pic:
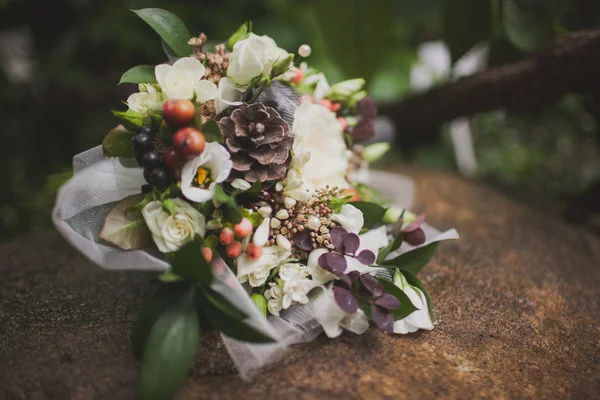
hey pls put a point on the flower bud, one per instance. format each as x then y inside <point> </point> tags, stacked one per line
<point>243,229</point>
<point>375,151</point>
<point>282,65</point>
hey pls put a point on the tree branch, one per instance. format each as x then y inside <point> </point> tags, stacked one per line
<point>570,64</point>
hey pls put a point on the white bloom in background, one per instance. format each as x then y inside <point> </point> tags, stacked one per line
<point>148,99</point>
<point>350,218</point>
<point>252,57</point>
<point>321,85</point>
<point>200,175</point>
<point>178,81</point>
<point>170,232</point>
<point>256,271</point>
<point>274,296</point>
<point>419,319</point>
<point>320,135</point>
<point>294,185</point>
<point>333,319</point>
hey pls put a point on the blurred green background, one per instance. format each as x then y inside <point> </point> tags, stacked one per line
<point>60,62</point>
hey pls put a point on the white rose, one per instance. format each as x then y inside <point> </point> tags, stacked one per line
<point>252,57</point>
<point>200,175</point>
<point>320,135</point>
<point>148,99</point>
<point>419,319</point>
<point>178,81</point>
<point>170,232</point>
<point>332,318</point>
<point>256,271</point>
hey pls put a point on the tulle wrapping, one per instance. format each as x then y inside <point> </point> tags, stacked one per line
<point>83,202</point>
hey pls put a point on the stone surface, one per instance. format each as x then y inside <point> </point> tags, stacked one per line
<point>517,300</point>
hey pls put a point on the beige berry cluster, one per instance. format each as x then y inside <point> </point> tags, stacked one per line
<point>357,160</point>
<point>216,62</point>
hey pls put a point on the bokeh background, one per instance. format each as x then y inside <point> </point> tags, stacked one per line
<point>60,62</point>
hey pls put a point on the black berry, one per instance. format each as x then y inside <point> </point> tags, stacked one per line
<point>147,172</point>
<point>160,178</point>
<point>151,159</point>
<point>142,143</point>
<point>148,130</point>
<point>146,189</point>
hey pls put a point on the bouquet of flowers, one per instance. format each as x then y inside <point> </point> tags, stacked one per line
<point>240,176</point>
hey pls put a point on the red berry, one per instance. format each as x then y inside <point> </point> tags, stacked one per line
<point>298,76</point>
<point>177,112</point>
<point>354,193</point>
<point>326,103</point>
<point>234,249</point>
<point>343,123</point>
<point>189,142</point>
<point>335,107</point>
<point>243,229</point>
<point>172,159</point>
<point>226,236</point>
<point>207,253</point>
<point>254,251</point>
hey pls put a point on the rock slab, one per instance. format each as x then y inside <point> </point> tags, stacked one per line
<point>517,301</point>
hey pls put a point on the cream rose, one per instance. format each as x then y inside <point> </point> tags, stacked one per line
<point>252,57</point>
<point>171,231</point>
<point>320,134</point>
<point>148,99</point>
<point>179,81</point>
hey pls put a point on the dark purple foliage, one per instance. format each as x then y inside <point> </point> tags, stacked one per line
<point>337,236</point>
<point>366,257</point>
<point>333,262</point>
<point>373,286</point>
<point>345,300</point>
<point>364,130</point>
<point>351,243</point>
<point>367,108</point>
<point>382,318</point>
<point>302,240</point>
<point>345,244</point>
<point>411,233</point>
<point>388,301</point>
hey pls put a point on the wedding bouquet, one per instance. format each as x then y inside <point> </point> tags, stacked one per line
<point>240,176</point>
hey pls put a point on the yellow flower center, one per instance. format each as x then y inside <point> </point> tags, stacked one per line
<point>203,177</point>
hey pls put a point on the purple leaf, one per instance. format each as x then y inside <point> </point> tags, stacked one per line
<point>415,224</point>
<point>388,301</point>
<point>351,243</point>
<point>336,262</point>
<point>346,281</point>
<point>382,318</point>
<point>372,285</point>
<point>414,238</point>
<point>323,262</point>
<point>337,235</point>
<point>345,300</point>
<point>354,275</point>
<point>302,240</point>
<point>366,257</point>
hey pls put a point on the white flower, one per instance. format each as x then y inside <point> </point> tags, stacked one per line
<point>350,218</point>
<point>170,232</point>
<point>274,296</point>
<point>226,95</point>
<point>321,85</point>
<point>178,81</point>
<point>296,284</point>
<point>294,185</point>
<point>148,99</point>
<point>320,135</point>
<point>252,57</point>
<point>212,166</point>
<point>256,271</point>
<point>419,319</point>
<point>205,90</point>
<point>332,318</point>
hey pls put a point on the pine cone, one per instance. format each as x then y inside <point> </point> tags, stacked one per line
<point>259,141</point>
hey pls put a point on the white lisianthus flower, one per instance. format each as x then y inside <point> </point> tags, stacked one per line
<point>170,232</point>
<point>227,94</point>
<point>333,319</point>
<point>321,136</point>
<point>200,175</point>
<point>252,57</point>
<point>148,99</point>
<point>274,296</point>
<point>205,90</point>
<point>350,218</point>
<point>419,319</point>
<point>256,271</point>
<point>296,285</point>
<point>178,81</point>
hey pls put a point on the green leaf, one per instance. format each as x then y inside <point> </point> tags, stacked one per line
<point>406,306</point>
<point>337,202</point>
<point>168,277</point>
<point>164,297</point>
<point>391,247</point>
<point>211,131</point>
<point>125,229</point>
<point>229,325</point>
<point>132,120</point>
<point>529,24</point>
<point>139,74</point>
<point>118,143</point>
<point>415,260</point>
<point>169,205</point>
<point>416,282</point>
<point>169,27</point>
<point>466,23</point>
<point>261,303</point>
<point>231,211</point>
<point>169,351</point>
<point>372,212</point>
<point>188,263</point>
<point>357,52</point>
<point>240,34</point>
<point>223,305</point>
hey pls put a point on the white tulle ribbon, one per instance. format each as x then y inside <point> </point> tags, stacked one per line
<point>83,202</point>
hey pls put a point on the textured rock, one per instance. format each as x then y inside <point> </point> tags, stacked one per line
<point>517,301</point>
